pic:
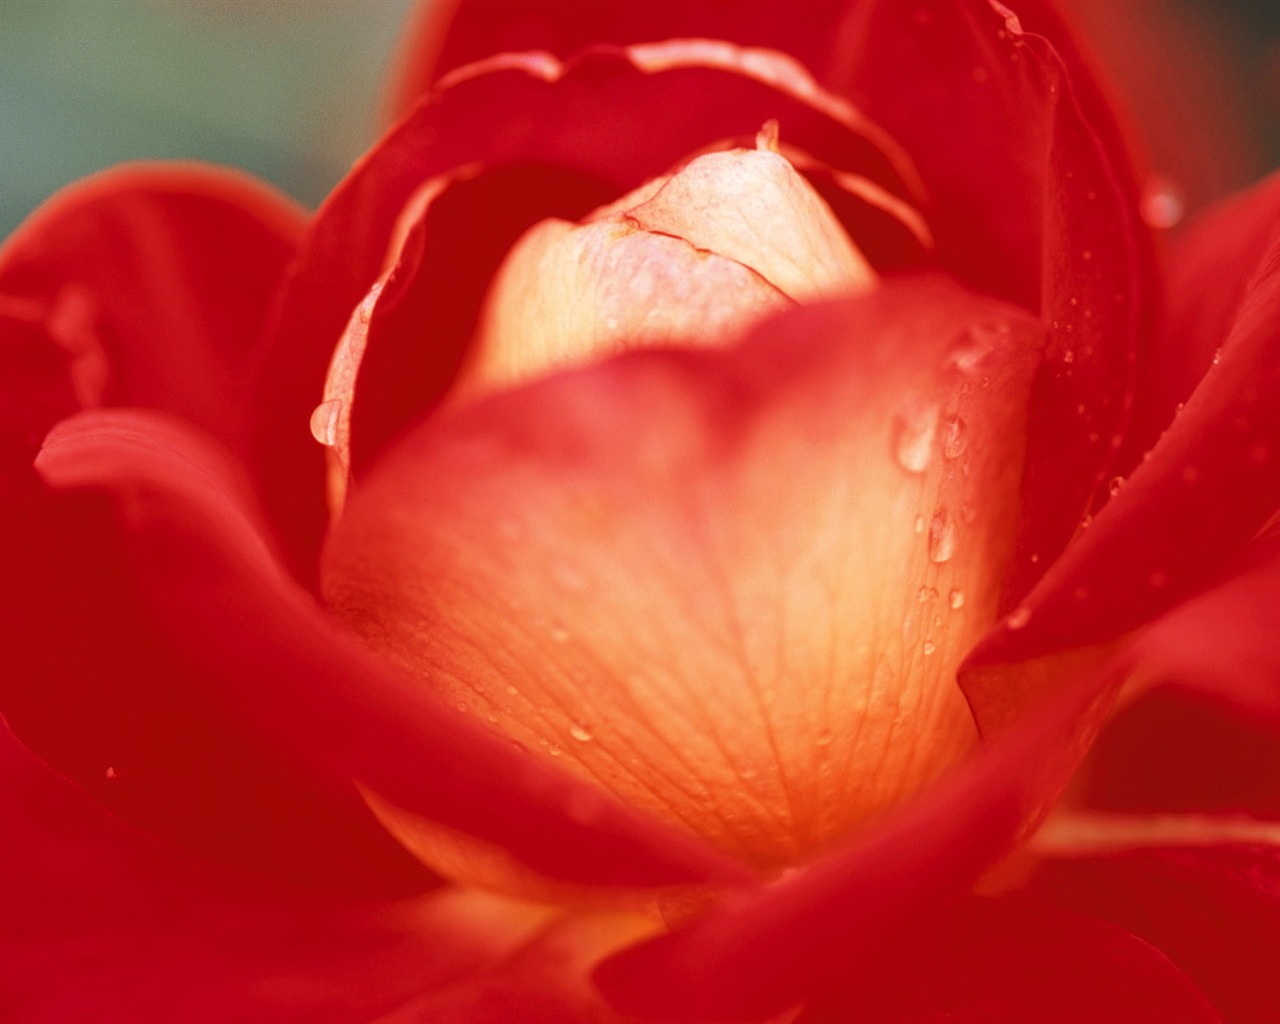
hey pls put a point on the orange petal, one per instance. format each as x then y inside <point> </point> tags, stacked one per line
<point>694,257</point>
<point>730,587</point>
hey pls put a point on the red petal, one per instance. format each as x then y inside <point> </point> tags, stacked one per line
<point>1208,486</point>
<point>152,282</point>
<point>444,37</point>
<point>99,925</point>
<point>1034,200</point>
<point>1013,960</point>
<point>1212,270</point>
<point>1209,743</point>
<point>824,928</point>
<point>592,119</point>
<point>150,555</point>
<point>1214,911</point>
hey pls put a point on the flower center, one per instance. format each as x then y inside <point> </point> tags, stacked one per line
<point>731,587</point>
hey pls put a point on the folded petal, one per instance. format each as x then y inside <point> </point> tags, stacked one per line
<point>1204,490</point>
<point>150,284</point>
<point>1213,909</point>
<point>98,924</point>
<point>208,697</point>
<point>1204,737</point>
<point>590,120</point>
<point>1016,959</point>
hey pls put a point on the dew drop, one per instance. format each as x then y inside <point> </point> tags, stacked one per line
<point>112,773</point>
<point>942,536</point>
<point>555,750</point>
<point>461,706</point>
<point>956,599</point>
<point>920,524</point>
<point>1162,206</point>
<point>324,422</point>
<point>926,594</point>
<point>1018,618</point>
<point>956,438</point>
<point>580,732</point>
<point>1113,488</point>
<point>913,433</point>
<point>928,647</point>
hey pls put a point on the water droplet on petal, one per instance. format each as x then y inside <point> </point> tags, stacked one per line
<point>555,750</point>
<point>1018,618</point>
<point>1162,206</point>
<point>1114,486</point>
<point>926,594</point>
<point>928,647</point>
<point>920,524</point>
<point>580,732</point>
<point>956,438</point>
<point>324,422</point>
<point>956,599</point>
<point>942,536</point>
<point>112,773</point>
<point>913,433</point>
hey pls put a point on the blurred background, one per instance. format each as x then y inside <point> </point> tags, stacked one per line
<point>290,89</point>
<point>286,89</point>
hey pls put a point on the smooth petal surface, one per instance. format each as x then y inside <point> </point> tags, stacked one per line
<point>210,697</point>
<point>1214,910</point>
<point>100,925</point>
<point>689,259</point>
<point>1204,738</point>
<point>1013,960</point>
<point>1205,489</point>
<point>731,588</point>
<point>151,284</point>
<point>591,120</point>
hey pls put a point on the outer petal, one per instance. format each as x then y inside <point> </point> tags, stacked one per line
<point>1013,960</point>
<point>98,925</point>
<point>150,284</point>
<point>1215,911</point>
<point>1207,487</point>
<point>1206,738</point>
<point>203,677</point>
<point>591,120</point>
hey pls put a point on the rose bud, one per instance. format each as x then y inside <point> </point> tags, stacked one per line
<point>748,626</point>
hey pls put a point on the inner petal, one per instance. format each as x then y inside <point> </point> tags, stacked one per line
<point>731,587</point>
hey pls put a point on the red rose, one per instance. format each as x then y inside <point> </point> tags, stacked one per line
<point>738,567</point>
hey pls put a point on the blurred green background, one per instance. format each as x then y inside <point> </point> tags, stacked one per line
<point>286,89</point>
<point>290,89</point>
